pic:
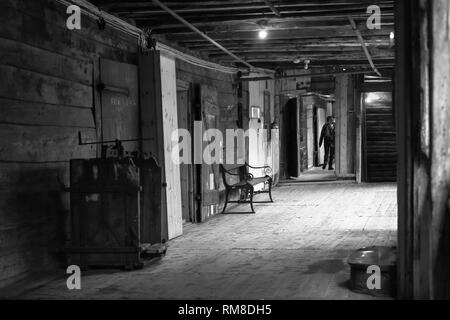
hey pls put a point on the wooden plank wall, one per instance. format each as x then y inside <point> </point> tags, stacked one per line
<point>47,95</point>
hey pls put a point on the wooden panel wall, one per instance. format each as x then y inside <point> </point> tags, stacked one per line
<point>47,94</point>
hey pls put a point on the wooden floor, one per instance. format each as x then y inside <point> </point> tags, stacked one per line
<point>316,174</point>
<point>295,248</point>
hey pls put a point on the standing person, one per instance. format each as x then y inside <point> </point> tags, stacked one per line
<point>327,136</point>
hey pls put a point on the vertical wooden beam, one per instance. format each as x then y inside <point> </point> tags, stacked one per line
<point>403,103</point>
<point>345,129</point>
<point>438,115</point>
<point>359,121</point>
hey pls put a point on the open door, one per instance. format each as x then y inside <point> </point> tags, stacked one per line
<point>186,169</point>
<point>209,175</point>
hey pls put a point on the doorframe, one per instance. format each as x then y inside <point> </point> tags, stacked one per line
<point>183,85</point>
<point>285,127</point>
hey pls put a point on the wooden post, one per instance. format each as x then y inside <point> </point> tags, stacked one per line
<point>344,111</point>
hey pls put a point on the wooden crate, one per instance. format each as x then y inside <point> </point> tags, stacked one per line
<point>105,213</point>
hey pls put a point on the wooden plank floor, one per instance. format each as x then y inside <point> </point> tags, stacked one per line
<point>295,248</point>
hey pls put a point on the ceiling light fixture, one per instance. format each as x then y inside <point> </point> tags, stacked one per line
<point>262,34</point>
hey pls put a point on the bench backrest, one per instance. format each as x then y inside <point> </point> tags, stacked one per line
<point>238,172</point>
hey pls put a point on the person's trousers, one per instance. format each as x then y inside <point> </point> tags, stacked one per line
<point>329,154</point>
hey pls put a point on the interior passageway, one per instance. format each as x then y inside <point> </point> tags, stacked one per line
<point>295,248</point>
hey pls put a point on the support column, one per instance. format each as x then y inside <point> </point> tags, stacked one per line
<point>344,111</point>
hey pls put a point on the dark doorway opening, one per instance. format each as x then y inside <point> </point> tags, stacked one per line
<point>292,143</point>
<point>187,174</point>
<point>316,137</point>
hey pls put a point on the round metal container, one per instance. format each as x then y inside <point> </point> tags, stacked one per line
<point>383,257</point>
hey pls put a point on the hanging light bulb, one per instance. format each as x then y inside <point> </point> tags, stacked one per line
<point>391,39</point>
<point>262,34</point>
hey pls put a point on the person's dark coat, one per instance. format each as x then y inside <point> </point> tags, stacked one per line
<point>327,134</point>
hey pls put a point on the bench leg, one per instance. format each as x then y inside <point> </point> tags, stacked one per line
<point>251,199</point>
<point>226,201</point>
<point>270,190</point>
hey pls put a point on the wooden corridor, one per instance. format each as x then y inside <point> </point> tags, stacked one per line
<point>295,248</point>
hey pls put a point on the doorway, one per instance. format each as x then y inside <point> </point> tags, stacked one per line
<point>186,121</point>
<point>291,133</point>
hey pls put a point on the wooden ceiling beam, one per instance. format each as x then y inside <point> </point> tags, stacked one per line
<point>115,4</point>
<point>294,48</point>
<point>302,52</point>
<point>261,57</point>
<point>272,23</point>
<point>285,34</point>
<point>382,62</point>
<point>303,43</point>
<point>253,17</point>
<point>253,27</point>
<point>191,10</point>
<point>234,22</point>
<point>188,12</point>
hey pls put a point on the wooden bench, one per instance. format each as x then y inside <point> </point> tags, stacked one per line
<point>245,181</point>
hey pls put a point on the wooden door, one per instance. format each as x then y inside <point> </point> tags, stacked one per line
<point>186,169</point>
<point>170,124</point>
<point>210,176</point>
<point>119,102</point>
